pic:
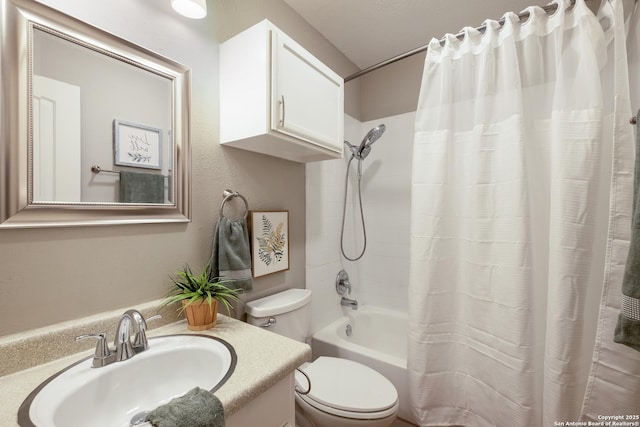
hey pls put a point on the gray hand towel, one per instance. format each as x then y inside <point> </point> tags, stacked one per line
<point>231,254</point>
<point>628,327</point>
<point>197,408</point>
<point>136,187</point>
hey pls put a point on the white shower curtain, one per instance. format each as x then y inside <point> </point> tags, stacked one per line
<point>510,212</point>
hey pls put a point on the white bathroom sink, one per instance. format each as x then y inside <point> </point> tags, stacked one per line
<point>113,395</point>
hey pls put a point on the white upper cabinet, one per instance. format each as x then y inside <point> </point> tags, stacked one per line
<point>278,99</point>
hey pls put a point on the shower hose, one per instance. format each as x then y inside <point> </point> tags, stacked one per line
<point>344,210</point>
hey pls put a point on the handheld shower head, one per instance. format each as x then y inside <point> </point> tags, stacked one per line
<point>363,150</point>
<point>358,153</point>
<point>372,136</point>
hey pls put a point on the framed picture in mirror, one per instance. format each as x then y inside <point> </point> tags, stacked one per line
<point>137,145</point>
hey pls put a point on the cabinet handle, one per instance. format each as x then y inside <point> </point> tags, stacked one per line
<point>283,111</point>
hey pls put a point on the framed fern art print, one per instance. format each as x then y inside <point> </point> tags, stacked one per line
<point>269,242</point>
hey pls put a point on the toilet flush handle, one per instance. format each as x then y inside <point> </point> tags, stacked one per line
<point>270,322</point>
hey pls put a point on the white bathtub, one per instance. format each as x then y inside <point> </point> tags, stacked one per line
<point>378,340</point>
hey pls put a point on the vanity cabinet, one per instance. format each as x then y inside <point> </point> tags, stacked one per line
<point>274,407</point>
<point>278,99</point>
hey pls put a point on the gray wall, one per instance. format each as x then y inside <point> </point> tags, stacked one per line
<point>59,274</point>
<point>394,89</point>
<point>390,90</point>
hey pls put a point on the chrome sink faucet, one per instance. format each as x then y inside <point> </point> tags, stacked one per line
<point>124,349</point>
<point>122,341</point>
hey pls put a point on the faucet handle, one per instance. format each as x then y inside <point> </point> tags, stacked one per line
<point>148,319</point>
<point>140,342</point>
<point>102,348</point>
<point>102,355</point>
<point>342,283</point>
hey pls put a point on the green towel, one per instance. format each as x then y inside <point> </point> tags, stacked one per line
<point>231,253</point>
<point>197,408</point>
<point>628,327</point>
<point>136,187</point>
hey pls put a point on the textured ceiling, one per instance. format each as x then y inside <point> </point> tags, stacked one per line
<point>370,31</point>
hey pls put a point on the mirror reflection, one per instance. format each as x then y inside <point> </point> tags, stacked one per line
<point>101,126</point>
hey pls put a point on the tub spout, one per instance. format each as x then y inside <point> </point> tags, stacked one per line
<point>349,303</point>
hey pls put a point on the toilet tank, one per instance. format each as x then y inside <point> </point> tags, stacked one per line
<point>286,313</point>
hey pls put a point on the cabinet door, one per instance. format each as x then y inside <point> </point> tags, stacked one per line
<point>275,407</point>
<point>307,97</point>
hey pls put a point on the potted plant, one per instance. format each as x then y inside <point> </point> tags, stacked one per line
<point>200,296</point>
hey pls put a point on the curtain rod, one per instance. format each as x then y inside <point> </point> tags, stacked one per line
<point>523,16</point>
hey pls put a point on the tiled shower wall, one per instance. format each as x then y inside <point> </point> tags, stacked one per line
<point>380,277</point>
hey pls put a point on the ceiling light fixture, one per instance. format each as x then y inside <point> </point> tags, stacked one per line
<point>195,9</point>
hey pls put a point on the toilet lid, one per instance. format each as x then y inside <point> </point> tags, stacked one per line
<point>348,386</point>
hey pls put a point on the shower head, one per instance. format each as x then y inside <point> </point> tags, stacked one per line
<point>364,148</point>
<point>372,136</point>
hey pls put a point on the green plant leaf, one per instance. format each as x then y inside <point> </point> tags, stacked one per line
<point>191,287</point>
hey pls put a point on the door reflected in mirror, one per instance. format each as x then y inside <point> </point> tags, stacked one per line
<point>92,109</point>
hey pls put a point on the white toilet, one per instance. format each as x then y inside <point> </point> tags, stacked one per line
<point>343,393</point>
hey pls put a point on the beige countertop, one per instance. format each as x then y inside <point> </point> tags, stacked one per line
<point>264,358</point>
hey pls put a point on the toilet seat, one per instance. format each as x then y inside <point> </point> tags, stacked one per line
<point>347,389</point>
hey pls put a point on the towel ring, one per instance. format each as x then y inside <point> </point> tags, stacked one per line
<point>228,195</point>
